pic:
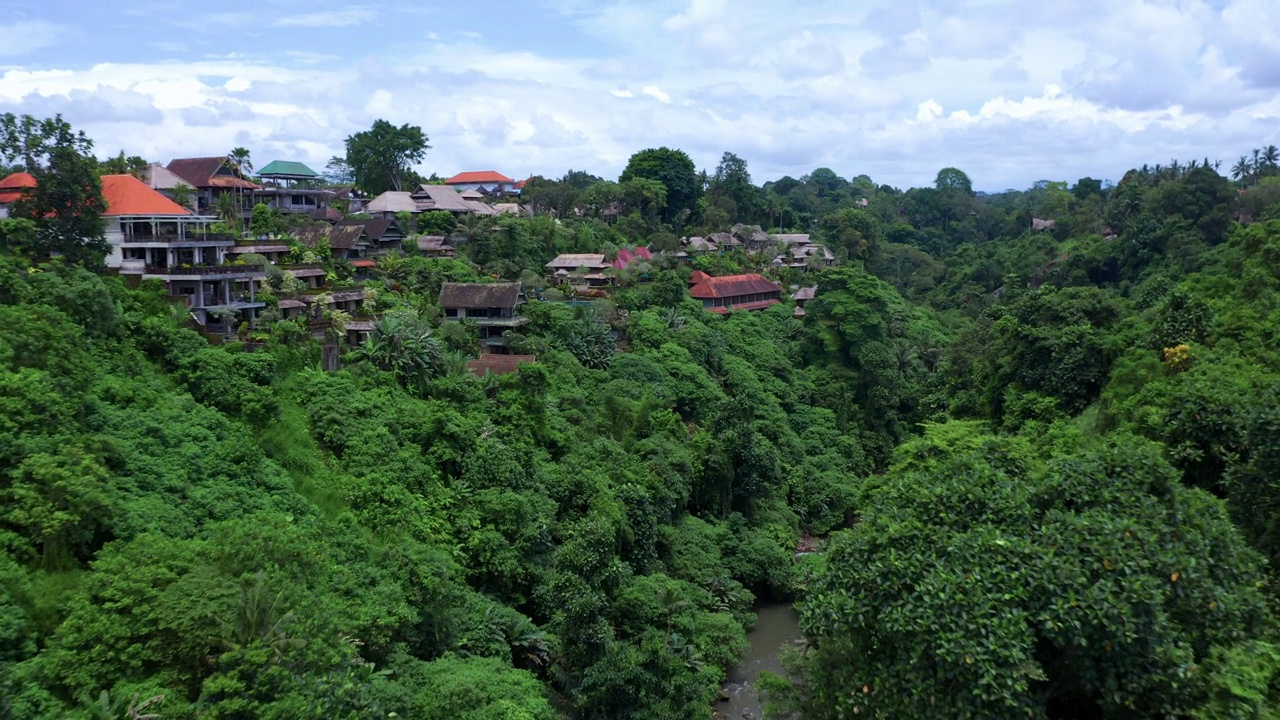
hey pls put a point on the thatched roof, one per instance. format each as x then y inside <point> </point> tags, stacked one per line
<point>792,238</point>
<point>573,261</point>
<point>479,295</point>
<point>392,201</point>
<point>312,235</point>
<point>345,237</point>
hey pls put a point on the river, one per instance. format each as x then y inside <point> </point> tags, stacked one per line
<point>776,625</point>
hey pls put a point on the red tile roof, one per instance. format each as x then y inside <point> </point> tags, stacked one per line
<point>731,286</point>
<point>481,176</point>
<point>757,305</point>
<point>520,185</point>
<point>498,364</point>
<point>18,180</point>
<point>697,276</point>
<point>208,172</point>
<point>11,188</point>
<point>364,263</point>
<point>626,257</point>
<point>127,195</point>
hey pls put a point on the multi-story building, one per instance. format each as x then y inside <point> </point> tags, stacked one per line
<point>492,307</point>
<point>212,177</point>
<point>292,188</point>
<point>153,237</point>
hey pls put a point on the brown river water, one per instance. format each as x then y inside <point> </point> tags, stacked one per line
<point>776,625</point>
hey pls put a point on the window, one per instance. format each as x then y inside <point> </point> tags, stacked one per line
<point>451,312</point>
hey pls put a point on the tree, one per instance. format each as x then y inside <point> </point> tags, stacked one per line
<point>1242,170</point>
<point>732,183</point>
<point>121,165</point>
<point>675,170</point>
<point>402,344</point>
<point>263,220</point>
<point>338,172</point>
<point>953,179</point>
<point>227,208</point>
<point>380,157</point>
<point>437,222</point>
<point>239,162</point>
<point>67,203</point>
<point>184,195</point>
<point>981,582</point>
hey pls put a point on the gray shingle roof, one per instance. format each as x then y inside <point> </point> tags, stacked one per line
<point>479,295</point>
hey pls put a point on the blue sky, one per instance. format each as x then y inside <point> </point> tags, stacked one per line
<point>1011,91</point>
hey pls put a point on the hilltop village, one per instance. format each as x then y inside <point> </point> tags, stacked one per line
<point>353,443</point>
<point>242,251</point>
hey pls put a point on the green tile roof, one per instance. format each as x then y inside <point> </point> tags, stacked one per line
<point>284,167</point>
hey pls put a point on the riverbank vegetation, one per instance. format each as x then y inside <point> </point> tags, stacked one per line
<point>1044,458</point>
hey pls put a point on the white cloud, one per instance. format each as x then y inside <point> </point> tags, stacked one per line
<point>346,17</point>
<point>22,37</point>
<point>656,93</point>
<point>1011,91</point>
<point>929,110</point>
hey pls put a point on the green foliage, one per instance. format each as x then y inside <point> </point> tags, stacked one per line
<point>263,220</point>
<point>380,157</point>
<point>436,222</point>
<point>241,534</point>
<point>67,200</point>
<point>983,583</point>
<point>675,171</point>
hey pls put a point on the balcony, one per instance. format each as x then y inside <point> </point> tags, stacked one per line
<point>171,238</point>
<point>207,272</point>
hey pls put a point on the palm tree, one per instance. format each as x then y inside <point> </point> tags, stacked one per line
<point>1241,170</point>
<point>402,344</point>
<point>259,618</point>
<point>227,209</point>
<point>239,163</point>
<point>1271,158</point>
<point>183,194</point>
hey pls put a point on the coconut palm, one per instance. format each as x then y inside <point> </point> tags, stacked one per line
<point>402,344</point>
<point>227,209</point>
<point>1241,170</point>
<point>239,162</point>
<point>183,194</point>
<point>1271,158</point>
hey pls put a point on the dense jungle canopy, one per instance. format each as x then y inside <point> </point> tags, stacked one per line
<point>1044,453</point>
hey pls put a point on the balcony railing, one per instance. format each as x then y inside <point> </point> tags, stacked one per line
<point>202,270</point>
<point>174,237</point>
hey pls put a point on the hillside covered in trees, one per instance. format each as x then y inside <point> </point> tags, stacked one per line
<point>1039,428</point>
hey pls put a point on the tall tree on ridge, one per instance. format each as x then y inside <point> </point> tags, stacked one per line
<point>240,163</point>
<point>67,203</point>
<point>380,157</point>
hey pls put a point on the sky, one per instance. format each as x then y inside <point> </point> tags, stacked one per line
<point>1010,91</point>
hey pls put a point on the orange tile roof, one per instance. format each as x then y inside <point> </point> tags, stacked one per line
<point>127,195</point>
<point>481,176</point>
<point>11,187</point>
<point>18,180</point>
<point>731,286</point>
